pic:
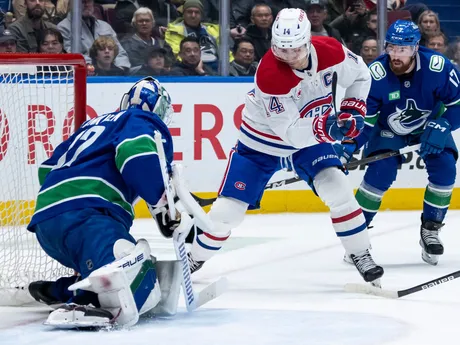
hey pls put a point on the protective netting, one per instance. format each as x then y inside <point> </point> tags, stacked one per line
<point>36,111</point>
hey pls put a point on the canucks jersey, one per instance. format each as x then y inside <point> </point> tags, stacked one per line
<point>401,105</point>
<point>107,163</point>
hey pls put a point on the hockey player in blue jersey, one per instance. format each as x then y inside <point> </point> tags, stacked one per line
<point>414,98</point>
<point>84,211</point>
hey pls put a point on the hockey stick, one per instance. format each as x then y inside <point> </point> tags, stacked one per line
<point>372,290</point>
<point>180,233</point>
<point>206,202</point>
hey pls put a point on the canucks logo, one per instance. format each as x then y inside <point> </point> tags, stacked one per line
<point>405,121</point>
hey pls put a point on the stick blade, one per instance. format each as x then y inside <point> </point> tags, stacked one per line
<point>212,291</point>
<point>368,289</point>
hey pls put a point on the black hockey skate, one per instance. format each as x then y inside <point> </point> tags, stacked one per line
<point>431,245</point>
<point>367,267</point>
<point>41,291</point>
<point>194,265</point>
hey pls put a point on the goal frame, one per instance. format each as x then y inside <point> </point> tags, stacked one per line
<point>19,295</point>
<point>76,60</point>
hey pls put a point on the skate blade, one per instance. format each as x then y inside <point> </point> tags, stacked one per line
<point>430,259</point>
<point>347,259</point>
<point>376,283</point>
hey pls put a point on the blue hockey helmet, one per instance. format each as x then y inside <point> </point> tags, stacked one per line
<point>149,95</point>
<point>403,33</point>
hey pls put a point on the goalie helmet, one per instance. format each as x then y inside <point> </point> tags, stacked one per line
<point>149,95</point>
<point>291,35</point>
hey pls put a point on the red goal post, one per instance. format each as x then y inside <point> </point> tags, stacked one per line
<point>42,101</point>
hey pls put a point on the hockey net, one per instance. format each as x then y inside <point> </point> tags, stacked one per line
<point>42,100</point>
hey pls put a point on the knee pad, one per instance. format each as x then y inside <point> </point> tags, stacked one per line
<point>226,214</point>
<point>333,188</point>
<point>127,287</point>
<point>374,177</point>
<point>441,169</point>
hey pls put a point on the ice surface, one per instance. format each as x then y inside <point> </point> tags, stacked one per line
<point>286,278</point>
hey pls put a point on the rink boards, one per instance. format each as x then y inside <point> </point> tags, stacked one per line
<point>207,115</point>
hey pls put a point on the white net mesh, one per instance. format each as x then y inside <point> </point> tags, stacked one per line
<point>35,107</point>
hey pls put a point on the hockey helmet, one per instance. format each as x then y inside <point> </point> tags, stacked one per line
<point>291,34</point>
<point>403,33</point>
<point>149,95</point>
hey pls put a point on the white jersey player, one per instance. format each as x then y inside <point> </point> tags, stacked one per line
<point>289,114</point>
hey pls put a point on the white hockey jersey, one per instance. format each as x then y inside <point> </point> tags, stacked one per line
<point>279,112</point>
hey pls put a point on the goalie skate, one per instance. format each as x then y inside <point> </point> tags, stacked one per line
<point>366,266</point>
<point>432,246</point>
<point>72,315</point>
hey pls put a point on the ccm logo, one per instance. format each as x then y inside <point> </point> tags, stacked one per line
<point>240,185</point>
<point>436,126</point>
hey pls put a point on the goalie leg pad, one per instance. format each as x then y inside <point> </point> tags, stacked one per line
<point>127,288</point>
<point>226,214</point>
<point>348,220</point>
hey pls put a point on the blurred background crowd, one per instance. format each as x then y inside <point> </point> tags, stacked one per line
<point>182,37</point>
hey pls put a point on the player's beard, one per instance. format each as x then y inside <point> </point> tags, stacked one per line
<point>399,68</point>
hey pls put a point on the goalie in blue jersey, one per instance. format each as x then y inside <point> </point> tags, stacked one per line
<point>414,98</point>
<point>84,211</point>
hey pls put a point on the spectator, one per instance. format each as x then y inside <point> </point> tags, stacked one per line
<point>211,11</point>
<point>259,32</point>
<point>124,10</point>
<point>352,22</point>
<point>278,5</point>
<point>438,42</point>
<point>54,10</point>
<point>27,29</point>
<point>139,45</point>
<point>103,53</point>
<point>51,42</point>
<point>191,25</point>
<point>369,31</point>
<point>244,64</point>
<point>154,64</point>
<point>7,42</point>
<point>240,17</point>
<point>428,22</point>
<point>191,63</point>
<point>454,52</point>
<point>92,28</point>
<point>317,14</point>
<point>415,10</point>
<point>369,50</point>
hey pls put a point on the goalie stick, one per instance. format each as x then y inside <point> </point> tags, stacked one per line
<point>372,290</point>
<point>213,290</point>
<point>206,202</point>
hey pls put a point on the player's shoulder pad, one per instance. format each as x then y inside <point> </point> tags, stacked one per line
<point>432,61</point>
<point>274,77</point>
<point>329,51</point>
<point>379,67</point>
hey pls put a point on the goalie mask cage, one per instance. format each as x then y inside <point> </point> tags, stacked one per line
<point>42,100</point>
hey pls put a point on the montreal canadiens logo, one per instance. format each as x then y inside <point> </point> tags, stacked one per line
<point>240,185</point>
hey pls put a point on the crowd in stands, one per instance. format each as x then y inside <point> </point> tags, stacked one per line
<point>181,37</point>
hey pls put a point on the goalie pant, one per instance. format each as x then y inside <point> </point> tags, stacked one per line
<point>84,240</point>
<point>247,174</point>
